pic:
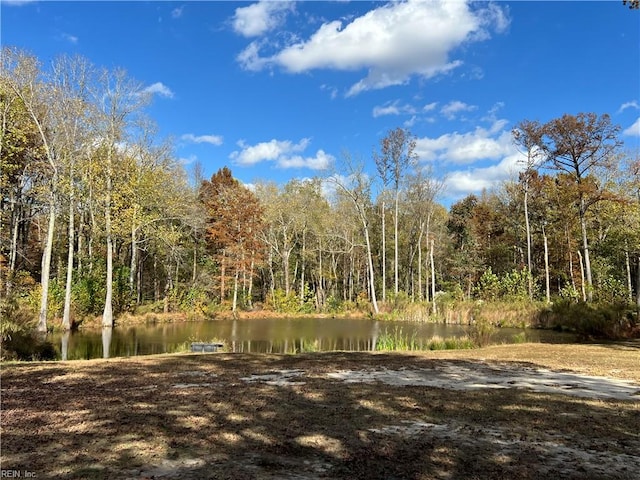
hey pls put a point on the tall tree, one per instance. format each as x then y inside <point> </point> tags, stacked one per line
<point>20,161</point>
<point>526,136</point>
<point>23,76</point>
<point>119,100</point>
<point>578,145</point>
<point>70,121</point>
<point>397,156</point>
<point>356,186</point>
<point>234,227</point>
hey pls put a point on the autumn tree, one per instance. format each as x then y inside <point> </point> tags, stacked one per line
<point>20,161</point>
<point>23,76</point>
<point>234,226</point>
<point>579,145</point>
<point>119,101</point>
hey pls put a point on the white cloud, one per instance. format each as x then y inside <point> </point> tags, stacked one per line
<point>261,17</point>
<point>430,107</point>
<point>393,42</point>
<point>70,38</point>
<point>451,109</point>
<point>631,104</point>
<point>393,108</point>
<point>633,130</point>
<point>177,12</point>
<point>463,182</point>
<point>321,161</point>
<point>333,91</point>
<point>160,89</point>
<point>468,148</point>
<point>411,122</point>
<point>284,153</point>
<point>212,139</point>
<point>250,58</point>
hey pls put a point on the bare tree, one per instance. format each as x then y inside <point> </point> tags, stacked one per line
<point>357,187</point>
<point>527,136</point>
<point>397,156</point>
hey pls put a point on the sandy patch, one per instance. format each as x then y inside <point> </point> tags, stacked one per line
<point>457,377</point>
<point>279,378</point>
<point>555,455</point>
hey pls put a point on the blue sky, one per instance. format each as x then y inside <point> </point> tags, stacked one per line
<point>278,90</point>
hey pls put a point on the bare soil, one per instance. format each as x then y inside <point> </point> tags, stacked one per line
<point>528,411</point>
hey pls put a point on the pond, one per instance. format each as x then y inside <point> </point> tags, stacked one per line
<point>267,335</point>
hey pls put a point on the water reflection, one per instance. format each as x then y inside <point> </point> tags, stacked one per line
<point>279,335</point>
<point>107,334</point>
<point>64,345</point>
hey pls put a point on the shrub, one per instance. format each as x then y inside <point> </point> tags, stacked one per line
<point>513,285</point>
<point>28,346</point>
<point>481,328</point>
<point>591,320</point>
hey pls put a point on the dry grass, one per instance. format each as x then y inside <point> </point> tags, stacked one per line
<point>193,416</point>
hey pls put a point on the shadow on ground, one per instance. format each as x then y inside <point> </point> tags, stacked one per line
<point>233,416</point>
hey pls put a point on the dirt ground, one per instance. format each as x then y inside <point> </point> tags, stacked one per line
<point>528,411</point>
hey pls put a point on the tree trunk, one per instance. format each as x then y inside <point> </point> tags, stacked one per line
<point>628,272</point>
<point>133,266</point>
<point>194,271</point>
<point>107,314</point>
<point>420,296</point>
<point>66,317</point>
<point>302,266</point>
<point>285,268</point>
<point>374,301</point>
<point>582,283</point>
<point>384,254</point>
<point>585,246</point>
<point>250,288</point>
<point>395,244</point>
<point>528,229</point>
<point>433,279</point>
<point>546,265</point>
<point>46,267</point>
<point>235,292</point>
<point>222,275</point>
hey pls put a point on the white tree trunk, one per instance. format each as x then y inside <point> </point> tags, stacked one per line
<point>528,231</point>
<point>546,265</point>
<point>374,301</point>
<point>433,279</point>
<point>384,254</point>
<point>585,246</point>
<point>66,317</point>
<point>46,268</point>
<point>107,314</point>
<point>395,244</point>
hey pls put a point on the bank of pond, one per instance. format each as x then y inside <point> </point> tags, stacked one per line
<point>283,335</point>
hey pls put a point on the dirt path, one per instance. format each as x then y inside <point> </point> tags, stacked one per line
<point>560,411</point>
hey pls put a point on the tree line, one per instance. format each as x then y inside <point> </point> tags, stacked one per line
<point>98,217</point>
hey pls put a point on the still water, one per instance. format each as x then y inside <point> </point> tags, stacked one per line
<point>268,335</point>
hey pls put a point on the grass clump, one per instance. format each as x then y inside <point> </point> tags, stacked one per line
<point>397,341</point>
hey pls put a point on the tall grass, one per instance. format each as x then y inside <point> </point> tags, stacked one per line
<point>398,341</point>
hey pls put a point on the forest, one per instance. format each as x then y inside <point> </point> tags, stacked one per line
<point>98,219</point>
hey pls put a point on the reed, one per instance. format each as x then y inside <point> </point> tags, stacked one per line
<point>397,341</point>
